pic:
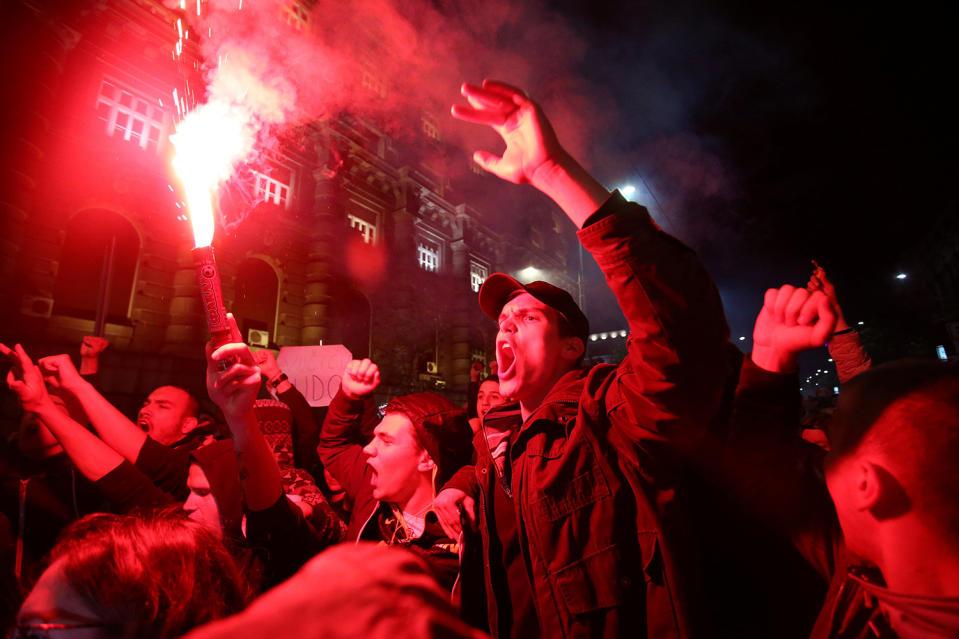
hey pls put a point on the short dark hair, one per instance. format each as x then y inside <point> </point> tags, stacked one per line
<point>155,577</point>
<point>909,411</point>
<point>566,329</point>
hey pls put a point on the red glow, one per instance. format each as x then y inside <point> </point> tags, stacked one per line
<point>209,142</point>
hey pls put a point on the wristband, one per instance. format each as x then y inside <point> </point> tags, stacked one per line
<point>844,331</point>
<point>276,381</point>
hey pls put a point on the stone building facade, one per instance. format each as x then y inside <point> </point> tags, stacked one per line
<point>351,238</point>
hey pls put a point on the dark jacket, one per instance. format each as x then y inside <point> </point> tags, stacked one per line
<point>341,451</point>
<point>597,469</point>
<point>779,475</point>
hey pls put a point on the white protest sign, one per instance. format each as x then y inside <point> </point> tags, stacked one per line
<point>316,371</point>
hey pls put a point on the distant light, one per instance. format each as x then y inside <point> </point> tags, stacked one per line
<point>835,389</point>
<point>829,360</point>
<point>603,335</point>
<point>530,273</point>
<point>941,352</point>
<point>622,333</point>
<point>861,323</point>
<point>628,190</point>
<point>900,276</point>
<point>593,337</point>
<point>742,338</point>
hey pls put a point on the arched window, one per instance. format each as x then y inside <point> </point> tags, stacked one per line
<point>257,288</point>
<point>91,237</point>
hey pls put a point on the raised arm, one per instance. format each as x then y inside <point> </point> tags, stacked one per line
<point>113,427</point>
<point>769,466</point>
<point>341,438</point>
<point>93,458</point>
<point>533,155</point>
<point>234,391</point>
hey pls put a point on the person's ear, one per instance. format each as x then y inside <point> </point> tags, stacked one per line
<point>426,463</point>
<point>573,348</point>
<point>188,424</point>
<point>867,486</point>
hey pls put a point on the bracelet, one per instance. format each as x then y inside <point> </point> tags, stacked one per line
<point>276,381</point>
<point>844,331</point>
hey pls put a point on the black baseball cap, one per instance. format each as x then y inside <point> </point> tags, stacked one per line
<point>499,288</point>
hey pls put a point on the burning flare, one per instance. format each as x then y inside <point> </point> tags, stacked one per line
<point>209,142</point>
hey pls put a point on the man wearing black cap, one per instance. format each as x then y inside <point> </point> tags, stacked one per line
<point>418,443</point>
<point>580,482</point>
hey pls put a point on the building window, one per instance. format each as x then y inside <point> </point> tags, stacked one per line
<point>269,189</point>
<point>297,14</point>
<point>367,230</point>
<point>429,255</point>
<point>478,275</point>
<point>373,82</point>
<point>129,117</point>
<point>430,127</point>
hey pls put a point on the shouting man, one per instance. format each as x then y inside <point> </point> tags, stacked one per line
<point>581,483</point>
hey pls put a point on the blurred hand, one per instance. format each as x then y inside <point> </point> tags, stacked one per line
<point>60,373</point>
<point>266,360</point>
<point>531,144</point>
<point>448,505</point>
<point>92,346</point>
<point>235,389</point>
<point>475,371</point>
<point>791,320</point>
<point>819,282</point>
<point>25,379</point>
<point>360,378</point>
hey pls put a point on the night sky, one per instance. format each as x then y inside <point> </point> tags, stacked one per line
<point>775,133</point>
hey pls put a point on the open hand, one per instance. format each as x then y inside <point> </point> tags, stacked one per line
<point>360,378</point>
<point>791,320</point>
<point>531,144</point>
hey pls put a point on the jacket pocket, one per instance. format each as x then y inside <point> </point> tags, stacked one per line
<point>581,491</point>
<point>590,583</point>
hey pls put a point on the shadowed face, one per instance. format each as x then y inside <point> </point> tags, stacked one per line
<point>488,397</point>
<point>35,439</point>
<point>396,459</point>
<point>166,414</point>
<point>201,505</point>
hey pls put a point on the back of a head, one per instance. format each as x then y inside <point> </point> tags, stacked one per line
<point>152,577</point>
<point>907,414</point>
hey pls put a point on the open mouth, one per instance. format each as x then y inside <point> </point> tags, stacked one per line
<point>506,358</point>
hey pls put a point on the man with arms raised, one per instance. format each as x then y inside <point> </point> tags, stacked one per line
<point>582,492</point>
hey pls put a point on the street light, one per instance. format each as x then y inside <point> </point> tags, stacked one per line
<point>900,276</point>
<point>530,273</point>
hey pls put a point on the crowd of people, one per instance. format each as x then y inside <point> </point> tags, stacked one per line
<point>679,493</point>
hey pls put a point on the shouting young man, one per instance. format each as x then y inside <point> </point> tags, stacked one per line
<point>419,442</point>
<point>581,485</point>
